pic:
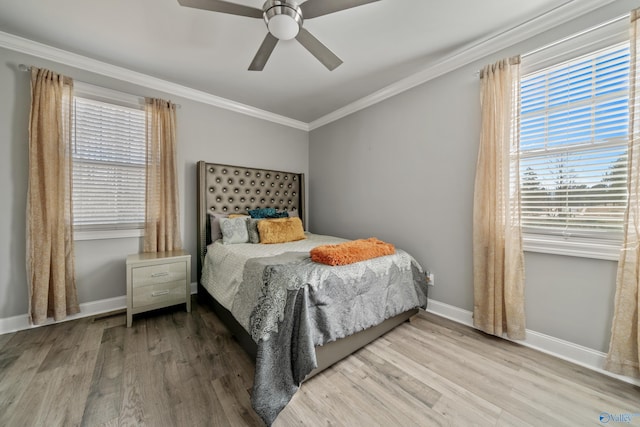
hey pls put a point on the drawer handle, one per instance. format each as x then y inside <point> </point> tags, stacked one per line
<point>160,293</point>
<point>160,274</point>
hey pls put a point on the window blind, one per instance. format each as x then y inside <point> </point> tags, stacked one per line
<point>108,165</point>
<point>573,146</point>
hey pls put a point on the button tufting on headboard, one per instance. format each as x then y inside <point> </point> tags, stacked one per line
<point>253,189</point>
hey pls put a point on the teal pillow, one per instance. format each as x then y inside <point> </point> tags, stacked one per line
<point>262,212</point>
<point>282,214</point>
<point>234,230</point>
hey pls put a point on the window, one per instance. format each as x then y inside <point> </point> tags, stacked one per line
<point>573,147</point>
<point>109,152</point>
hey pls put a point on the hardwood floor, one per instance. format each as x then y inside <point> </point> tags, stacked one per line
<point>178,369</point>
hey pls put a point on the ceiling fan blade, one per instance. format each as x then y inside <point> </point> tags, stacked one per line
<point>314,8</point>
<point>264,52</point>
<point>223,7</point>
<point>317,49</point>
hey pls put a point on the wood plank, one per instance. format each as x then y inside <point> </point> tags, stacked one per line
<point>16,381</point>
<point>41,399</point>
<point>148,372</point>
<point>132,406</point>
<point>235,401</point>
<point>77,376</point>
<point>5,338</point>
<point>397,379</point>
<point>470,374</point>
<point>341,399</point>
<point>509,420</point>
<point>470,405</point>
<point>527,356</point>
<point>178,368</point>
<point>380,399</point>
<point>105,396</point>
<point>67,344</point>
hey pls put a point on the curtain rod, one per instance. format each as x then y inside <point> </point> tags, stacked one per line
<point>26,68</point>
<point>581,33</point>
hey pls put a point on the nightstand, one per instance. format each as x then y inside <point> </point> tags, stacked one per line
<point>156,280</point>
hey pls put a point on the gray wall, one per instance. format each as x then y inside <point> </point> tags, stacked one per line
<point>403,170</point>
<point>204,133</point>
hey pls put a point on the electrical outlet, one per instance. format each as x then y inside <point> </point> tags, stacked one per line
<point>431,279</point>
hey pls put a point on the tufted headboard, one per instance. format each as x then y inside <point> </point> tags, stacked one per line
<point>229,189</point>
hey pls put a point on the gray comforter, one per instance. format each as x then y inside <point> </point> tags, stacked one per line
<point>291,304</point>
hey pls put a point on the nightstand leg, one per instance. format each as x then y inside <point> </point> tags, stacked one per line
<point>129,319</point>
<point>189,302</point>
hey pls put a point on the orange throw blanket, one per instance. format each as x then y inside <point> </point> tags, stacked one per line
<point>350,252</point>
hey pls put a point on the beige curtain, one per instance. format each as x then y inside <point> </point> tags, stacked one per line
<point>624,349</point>
<point>498,262</point>
<point>50,257</point>
<point>162,232</point>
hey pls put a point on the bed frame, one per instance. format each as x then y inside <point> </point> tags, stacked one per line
<point>237,189</point>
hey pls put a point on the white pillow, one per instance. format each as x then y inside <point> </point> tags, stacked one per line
<point>234,230</point>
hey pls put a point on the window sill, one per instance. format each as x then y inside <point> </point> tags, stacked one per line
<point>107,234</point>
<point>576,247</point>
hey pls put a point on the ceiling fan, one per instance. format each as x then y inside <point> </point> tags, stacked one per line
<point>284,19</point>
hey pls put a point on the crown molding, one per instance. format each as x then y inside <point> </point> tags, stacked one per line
<point>464,56</point>
<point>40,50</point>
<point>470,53</point>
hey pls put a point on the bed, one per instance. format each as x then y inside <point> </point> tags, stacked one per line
<point>231,189</point>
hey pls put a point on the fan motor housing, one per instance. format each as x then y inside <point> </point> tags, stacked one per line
<point>283,18</point>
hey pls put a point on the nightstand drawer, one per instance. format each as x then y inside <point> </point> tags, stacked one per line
<point>158,294</point>
<point>156,280</point>
<point>161,273</point>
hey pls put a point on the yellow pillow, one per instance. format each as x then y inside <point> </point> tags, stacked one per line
<point>237,215</point>
<point>280,230</point>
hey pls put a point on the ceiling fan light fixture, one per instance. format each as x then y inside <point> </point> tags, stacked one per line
<point>283,18</point>
<point>283,27</point>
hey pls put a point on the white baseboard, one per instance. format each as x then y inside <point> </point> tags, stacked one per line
<point>21,322</point>
<point>450,312</point>
<point>562,349</point>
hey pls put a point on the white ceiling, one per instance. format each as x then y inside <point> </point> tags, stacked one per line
<point>380,43</point>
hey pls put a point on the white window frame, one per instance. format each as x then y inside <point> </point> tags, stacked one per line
<point>591,40</point>
<point>97,93</point>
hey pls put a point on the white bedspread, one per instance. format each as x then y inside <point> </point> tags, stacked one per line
<point>224,264</point>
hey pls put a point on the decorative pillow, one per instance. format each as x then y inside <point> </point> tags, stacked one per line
<point>234,230</point>
<point>279,214</point>
<point>252,229</point>
<point>262,212</point>
<point>280,230</point>
<point>214,221</point>
<point>238,215</point>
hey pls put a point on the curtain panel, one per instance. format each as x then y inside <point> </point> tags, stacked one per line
<point>624,348</point>
<point>49,234</point>
<point>162,231</point>
<point>498,260</point>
